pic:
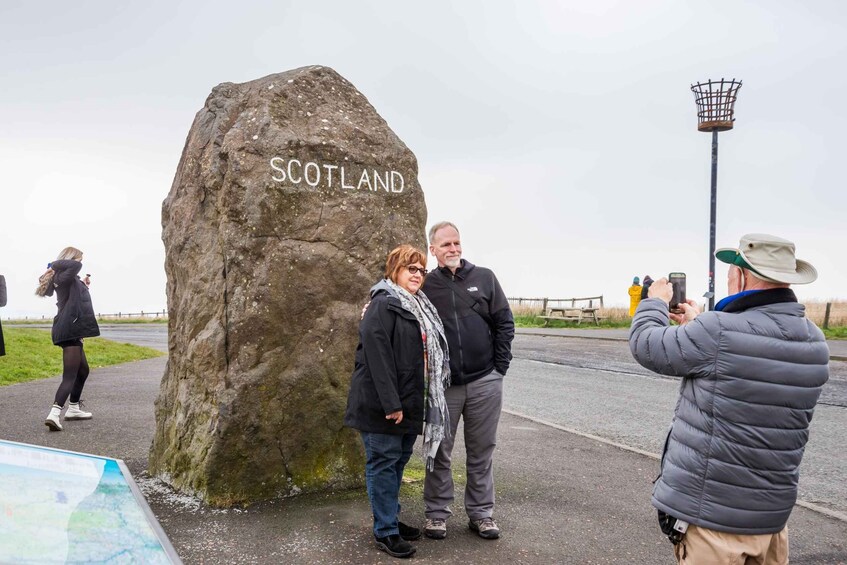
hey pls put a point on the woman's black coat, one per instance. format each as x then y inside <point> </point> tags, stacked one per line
<point>389,371</point>
<point>2,303</point>
<point>76,317</point>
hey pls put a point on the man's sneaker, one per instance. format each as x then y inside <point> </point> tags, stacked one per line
<point>395,546</point>
<point>75,413</point>
<point>407,532</point>
<point>486,528</point>
<point>435,528</point>
<point>52,420</point>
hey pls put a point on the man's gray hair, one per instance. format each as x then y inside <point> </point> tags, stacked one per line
<point>439,226</point>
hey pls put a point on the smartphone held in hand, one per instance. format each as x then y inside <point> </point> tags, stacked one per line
<point>678,282</point>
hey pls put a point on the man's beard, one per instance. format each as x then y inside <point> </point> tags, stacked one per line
<point>453,262</point>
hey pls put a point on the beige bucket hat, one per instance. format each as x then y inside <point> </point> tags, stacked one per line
<point>770,257</point>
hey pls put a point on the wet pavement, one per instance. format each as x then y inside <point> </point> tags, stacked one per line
<point>562,496</point>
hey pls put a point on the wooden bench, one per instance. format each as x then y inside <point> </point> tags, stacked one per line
<point>578,310</point>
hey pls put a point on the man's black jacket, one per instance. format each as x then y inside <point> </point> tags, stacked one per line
<point>475,347</point>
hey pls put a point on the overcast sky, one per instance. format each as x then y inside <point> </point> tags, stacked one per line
<point>560,136</point>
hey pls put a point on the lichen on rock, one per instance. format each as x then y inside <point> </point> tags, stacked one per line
<point>290,192</point>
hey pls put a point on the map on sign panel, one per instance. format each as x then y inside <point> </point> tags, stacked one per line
<point>63,507</point>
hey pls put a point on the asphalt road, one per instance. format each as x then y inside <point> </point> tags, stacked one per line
<point>148,335</point>
<point>594,386</point>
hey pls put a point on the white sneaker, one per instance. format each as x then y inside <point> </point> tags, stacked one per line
<point>74,412</point>
<point>52,420</point>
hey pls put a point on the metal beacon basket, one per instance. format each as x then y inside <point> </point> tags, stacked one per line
<point>715,103</point>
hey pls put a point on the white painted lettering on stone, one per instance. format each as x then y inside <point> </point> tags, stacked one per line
<point>291,176</point>
<point>329,169</point>
<point>281,171</point>
<point>364,179</point>
<point>394,174</point>
<point>322,176</point>
<point>317,173</point>
<point>378,181</point>
<point>350,187</point>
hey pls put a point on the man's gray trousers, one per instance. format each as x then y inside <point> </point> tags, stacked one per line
<point>478,404</point>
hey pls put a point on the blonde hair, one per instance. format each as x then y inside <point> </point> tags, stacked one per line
<point>401,257</point>
<point>45,281</point>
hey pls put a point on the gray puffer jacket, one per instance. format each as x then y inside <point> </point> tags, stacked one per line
<point>752,375</point>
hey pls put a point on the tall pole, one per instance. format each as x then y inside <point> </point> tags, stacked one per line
<point>712,219</point>
<point>715,112</point>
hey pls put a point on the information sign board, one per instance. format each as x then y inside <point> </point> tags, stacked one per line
<point>64,507</point>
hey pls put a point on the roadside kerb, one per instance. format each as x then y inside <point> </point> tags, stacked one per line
<point>809,505</point>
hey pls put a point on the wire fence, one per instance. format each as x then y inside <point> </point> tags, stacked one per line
<point>115,316</point>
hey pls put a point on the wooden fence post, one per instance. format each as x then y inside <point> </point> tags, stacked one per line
<point>543,306</point>
<point>826,316</point>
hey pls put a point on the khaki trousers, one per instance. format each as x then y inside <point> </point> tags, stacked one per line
<point>701,546</point>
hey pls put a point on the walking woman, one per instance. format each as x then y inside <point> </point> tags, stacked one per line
<point>398,382</point>
<point>74,321</point>
<point>2,303</point>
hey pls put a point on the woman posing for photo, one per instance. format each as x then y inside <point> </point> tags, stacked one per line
<point>398,382</point>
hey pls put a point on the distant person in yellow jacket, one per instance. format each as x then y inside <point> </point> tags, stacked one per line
<point>634,296</point>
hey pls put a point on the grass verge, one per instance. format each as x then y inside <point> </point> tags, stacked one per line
<point>31,355</point>
<point>100,320</point>
<point>836,333</point>
<point>530,321</point>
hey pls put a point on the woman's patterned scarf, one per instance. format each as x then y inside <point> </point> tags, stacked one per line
<point>437,368</point>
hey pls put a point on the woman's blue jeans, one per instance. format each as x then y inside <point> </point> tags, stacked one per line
<point>387,455</point>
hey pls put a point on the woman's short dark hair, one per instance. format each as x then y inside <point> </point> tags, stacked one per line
<point>401,257</point>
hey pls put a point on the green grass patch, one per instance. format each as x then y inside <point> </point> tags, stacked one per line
<point>530,321</point>
<point>139,320</point>
<point>415,471</point>
<point>31,355</point>
<point>132,320</point>
<point>835,333</point>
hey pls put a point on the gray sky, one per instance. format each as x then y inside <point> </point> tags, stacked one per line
<point>560,136</point>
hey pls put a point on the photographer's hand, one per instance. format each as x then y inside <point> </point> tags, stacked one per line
<point>690,310</point>
<point>661,289</point>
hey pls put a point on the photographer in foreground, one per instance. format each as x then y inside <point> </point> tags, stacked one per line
<point>752,373</point>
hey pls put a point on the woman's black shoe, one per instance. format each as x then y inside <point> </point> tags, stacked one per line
<point>395,546</point>
<point>407,532</point>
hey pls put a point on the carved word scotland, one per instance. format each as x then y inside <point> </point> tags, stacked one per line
<point>313,176</point>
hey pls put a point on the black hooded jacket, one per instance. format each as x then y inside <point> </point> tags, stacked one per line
<point>389,372</point>
<point>75,318</point>
<point>476,348</point>
<point>2,303</point>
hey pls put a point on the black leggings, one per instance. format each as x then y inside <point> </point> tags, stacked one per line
<point>73,375</point>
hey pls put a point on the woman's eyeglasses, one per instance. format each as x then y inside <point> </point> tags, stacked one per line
<point>414,269</point>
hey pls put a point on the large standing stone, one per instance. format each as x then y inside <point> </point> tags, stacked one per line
<point>289,194</point>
